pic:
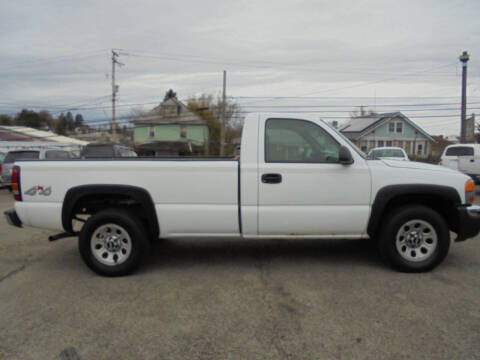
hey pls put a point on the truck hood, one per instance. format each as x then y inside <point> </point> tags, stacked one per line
<point>417,166</point>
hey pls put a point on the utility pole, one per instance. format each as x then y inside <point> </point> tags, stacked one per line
<point>223,114</point>
<point>114,93</point>
<point>464,59</point>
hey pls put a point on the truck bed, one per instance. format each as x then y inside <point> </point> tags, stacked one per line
<point>191,195</point>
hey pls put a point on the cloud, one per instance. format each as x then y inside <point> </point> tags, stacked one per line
<point>56,52</point>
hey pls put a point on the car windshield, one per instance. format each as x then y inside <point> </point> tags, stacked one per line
<point>21,155</point>
<point>378,153</point>
<point>459,151</point>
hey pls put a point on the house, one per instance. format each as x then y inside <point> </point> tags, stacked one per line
<point>390,129</point>
<point>170,129</point>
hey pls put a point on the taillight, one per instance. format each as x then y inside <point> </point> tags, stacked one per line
<point>469,191</point>
<point>17,194</point>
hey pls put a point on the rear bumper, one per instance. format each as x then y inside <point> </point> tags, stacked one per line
<point>6,180</point>
<point>468,222</point>
<point>12,218</point>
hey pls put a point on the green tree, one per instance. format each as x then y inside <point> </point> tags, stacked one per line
<point>28,118</point>
<point>61,125</point>
<point>170,94</point>
<point>46,119</point>
<point>79,121</point>
<point>5,119</point>
<point>69,121</point>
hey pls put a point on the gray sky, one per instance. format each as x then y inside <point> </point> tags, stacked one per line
<point>327,57</point>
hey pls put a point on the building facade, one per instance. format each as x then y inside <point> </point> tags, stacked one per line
<point>387,130</point>
<point>170,129</point>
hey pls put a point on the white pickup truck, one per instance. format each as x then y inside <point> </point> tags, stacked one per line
<point>296,178</point>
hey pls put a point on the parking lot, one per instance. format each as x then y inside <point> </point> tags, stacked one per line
<point>278,299</point>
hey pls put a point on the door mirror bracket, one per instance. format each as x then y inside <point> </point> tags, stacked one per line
<point>345,156</point>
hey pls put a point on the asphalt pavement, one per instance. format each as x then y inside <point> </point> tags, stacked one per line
<point>225,299</point>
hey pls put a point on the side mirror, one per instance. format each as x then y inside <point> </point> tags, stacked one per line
<point>345,156</point>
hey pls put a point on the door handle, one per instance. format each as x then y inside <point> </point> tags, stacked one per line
<point>271,178</point>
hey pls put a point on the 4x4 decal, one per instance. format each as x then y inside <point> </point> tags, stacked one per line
<point>40,190</point>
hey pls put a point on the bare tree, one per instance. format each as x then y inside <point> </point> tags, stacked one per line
<point>209,109</point>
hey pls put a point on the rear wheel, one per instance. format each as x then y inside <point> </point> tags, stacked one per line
<point>113,242</point>
<point>414,238</point>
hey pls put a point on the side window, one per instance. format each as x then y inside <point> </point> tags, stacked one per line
<point>298,141</point>
<point>57,154</point>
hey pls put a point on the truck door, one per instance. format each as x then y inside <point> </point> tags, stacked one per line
<point>303,189</point>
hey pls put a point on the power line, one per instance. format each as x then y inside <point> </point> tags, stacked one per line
<point>70,57</point>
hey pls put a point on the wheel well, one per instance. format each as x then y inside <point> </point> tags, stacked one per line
<point>89,200</point>
<point>445,206</point>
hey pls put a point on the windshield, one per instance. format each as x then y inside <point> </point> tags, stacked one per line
<point>378,153</point>
<point>360,152</point>
<point>21,155</point>
<point>459,151</point>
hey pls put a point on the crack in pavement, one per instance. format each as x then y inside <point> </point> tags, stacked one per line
<point>13,272</point>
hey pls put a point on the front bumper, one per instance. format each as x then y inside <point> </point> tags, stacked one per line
<point>468,222</point>
<point>12,218</point>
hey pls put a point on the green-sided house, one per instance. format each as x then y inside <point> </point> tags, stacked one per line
<point>170,129</point>
<point>385,130</point>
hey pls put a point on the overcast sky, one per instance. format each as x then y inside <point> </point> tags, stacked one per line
<point>327,57</point>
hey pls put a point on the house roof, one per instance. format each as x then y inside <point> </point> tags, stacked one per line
<point>24,133</point>
<point>159,116</point>
<point>360,126</point>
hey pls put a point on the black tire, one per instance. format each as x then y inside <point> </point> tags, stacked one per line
<point>414,238</point>
<point>132,234</point>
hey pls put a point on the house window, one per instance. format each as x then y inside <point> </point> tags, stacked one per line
<point>391,127</point>
<point>364,149</point>
<point>400,144</point>
<point>183,131</point>
<point>389,143</point>
<point>372,144</point>
<point>151,131</point>
<point>419,149</point>
<point>169,110</point>
<point>399,127</point>
<point>380,143</point>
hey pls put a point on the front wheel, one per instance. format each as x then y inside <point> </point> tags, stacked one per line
<point>113,242</point>
<point>414,238</point>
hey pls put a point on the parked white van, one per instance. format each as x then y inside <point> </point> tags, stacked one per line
<point>464,158</point>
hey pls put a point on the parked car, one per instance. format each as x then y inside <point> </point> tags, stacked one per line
<point>16,155</point>
<point>296,178</point>
<point>2,156</point>
<point>464,158</point>
<point>389,153</point>
<point>106,150</point>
